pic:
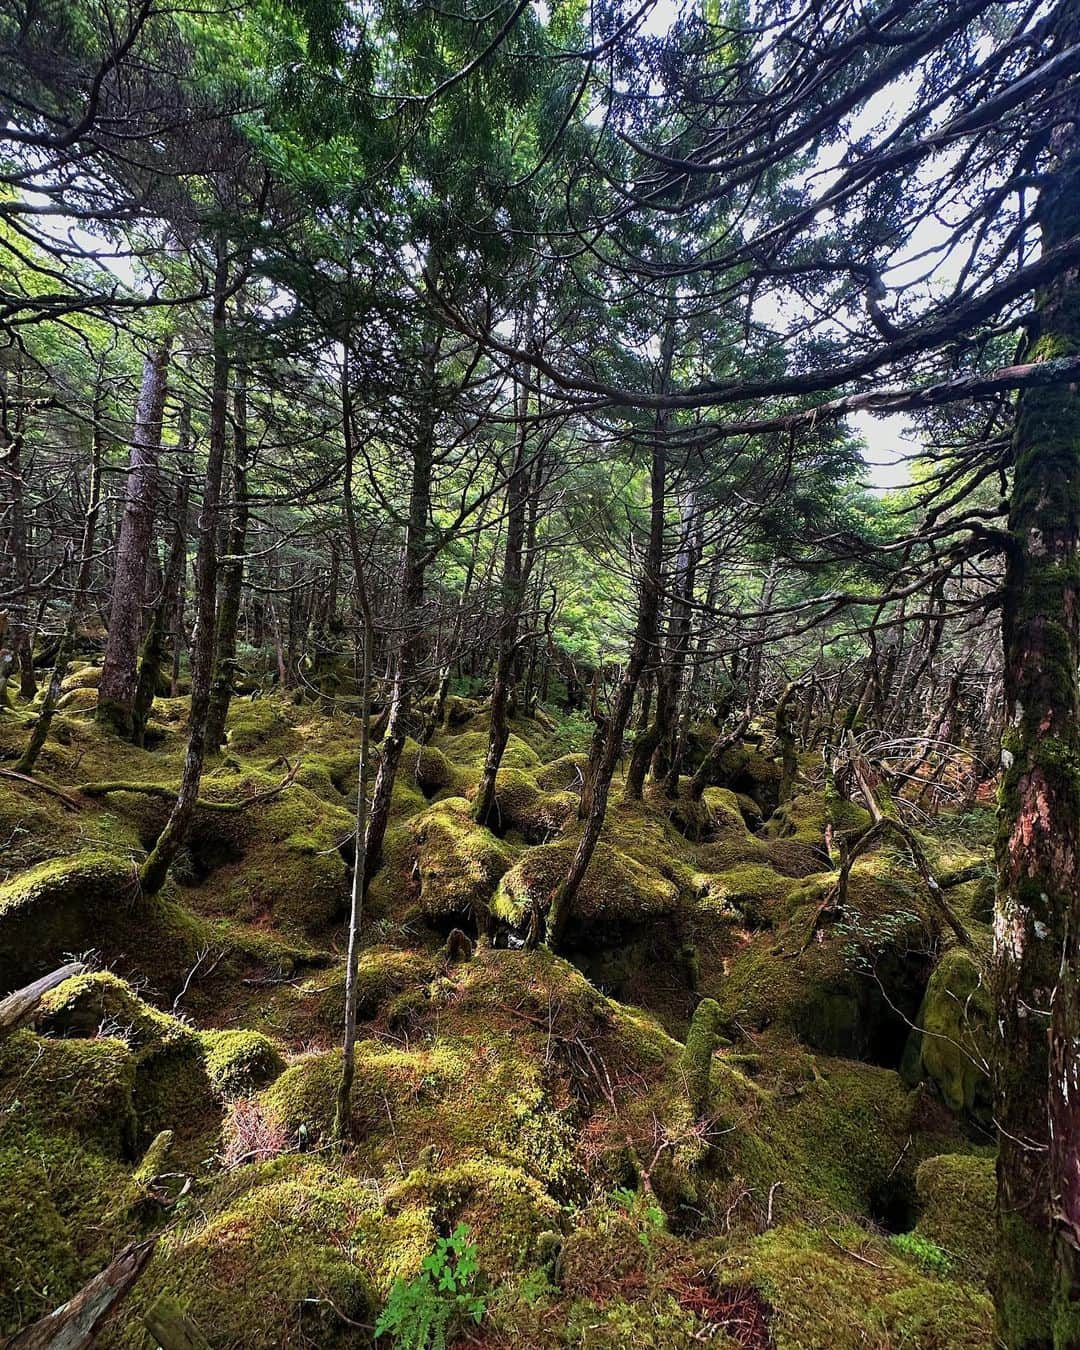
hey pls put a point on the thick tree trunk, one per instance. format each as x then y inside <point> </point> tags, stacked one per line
<point>154,870</point>
<point>116,692</point>
<point>1037,922</point>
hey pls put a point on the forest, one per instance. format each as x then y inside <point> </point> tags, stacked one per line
<point>540,674</point>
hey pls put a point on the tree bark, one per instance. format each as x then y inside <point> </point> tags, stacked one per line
<point>232,574</point>
<point>607,746</point>
<point>156,866</point>
<point>116,692</point>
<point>76,1323</point>
<point>1037,919</point>
<point>512,596</point>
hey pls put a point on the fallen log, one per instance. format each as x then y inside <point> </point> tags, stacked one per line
<point>77,1322</point>
<point>20,1006</point>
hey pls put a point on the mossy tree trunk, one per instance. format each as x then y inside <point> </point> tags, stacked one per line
<point>1037,921</point>
<point>40,731</point>
<point>116,692</point>
<point>232,573</point>
<point>154,870</point>
<point>153,649</point>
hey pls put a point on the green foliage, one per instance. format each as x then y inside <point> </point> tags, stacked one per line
<point>926,1252</point>
<point>653,1218</point>
<point>420,1312</point>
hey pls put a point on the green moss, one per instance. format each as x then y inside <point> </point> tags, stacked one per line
<point>238,1063</point>
<point>956,1210</point>
<point>442,863</point>
<point>567,773</point>
<point>509,1214</point>
<point>617,891</point>
<point>82,1089</point>
<point>697,1057</point>
<point>822,1296</point>
<point>750,892</point>
<point>255,724</point>
<point>171,1089</point>
<point>58,1222</point>
<point>310,1248</point>
<point>950,1048</point>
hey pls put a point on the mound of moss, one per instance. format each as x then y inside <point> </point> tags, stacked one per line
<point>441,864</point>
<point>956,1211</point>
<point>950,1043</point>
<point>289,1252</point>
<point>839,1288</point>
<point>239,1063</point>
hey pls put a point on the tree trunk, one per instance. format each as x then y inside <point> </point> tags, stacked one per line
<point>607,746</point>
<point>342,1112</point>
<point>232,574</point>
<point>410,629</point>
<point>40,731</point>
<point>154,870</point>
<point>512,596</point>
<point>1037,920</point>
<point>154,647</point>
<point>116,692</point>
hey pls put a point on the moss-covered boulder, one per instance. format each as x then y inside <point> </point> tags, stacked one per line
<point>848,985</point>
<point>239,1063</point>
<point>839,1288</point>
<point>617,894</point>
<point>956,1194</point>
<point>67,905</point>
<point>511,1217</point>
<point>289,1252</point>
<point>441,864</point>
<point>171,1088</point>
<point>950,1044</point>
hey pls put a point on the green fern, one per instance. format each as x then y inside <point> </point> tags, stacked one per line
<point>420,1312</point>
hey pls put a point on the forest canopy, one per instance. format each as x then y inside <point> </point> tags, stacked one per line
<point>540,673</point>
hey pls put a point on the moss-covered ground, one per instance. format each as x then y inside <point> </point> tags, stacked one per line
<point>728,1113</point>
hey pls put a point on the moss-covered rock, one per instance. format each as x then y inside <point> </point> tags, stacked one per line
<point>289,1252</point>
<point>617,893</point>
<point>950,1044</point>
<point>442,864</point>
<point>841,1289</point>
<point>509,1214</point>
<point>171,1089</point>
<point>239,1063</point>
<point>956,1211</point>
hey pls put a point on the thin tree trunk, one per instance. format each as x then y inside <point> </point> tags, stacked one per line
<point>512,595</point>
<point>116,691</point>
<point>154,870</point>
<point>40,730</point>
<point>607,746</point>
<point>154,647</point>
<point>232,574</point>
